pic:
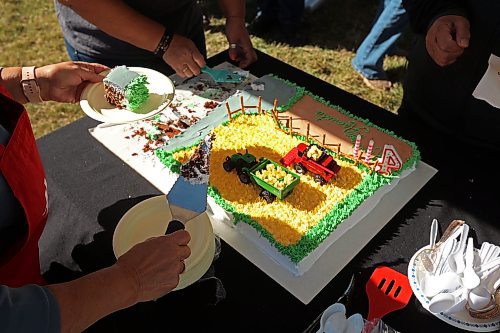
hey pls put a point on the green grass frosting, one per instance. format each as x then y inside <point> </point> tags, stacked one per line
<point>137,92</point>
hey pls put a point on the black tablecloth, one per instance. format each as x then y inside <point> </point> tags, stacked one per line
<point>90,189</point>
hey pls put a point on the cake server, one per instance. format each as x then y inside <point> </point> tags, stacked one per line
<point>222,75</point>
<point>188,197</point>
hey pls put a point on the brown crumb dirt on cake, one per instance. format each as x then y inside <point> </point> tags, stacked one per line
<point>211,104</point>
<point>198,164</point>
<point>168,129</point>
<point>113,96</point>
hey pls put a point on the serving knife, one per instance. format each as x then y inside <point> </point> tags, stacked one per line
<point>188,197</point>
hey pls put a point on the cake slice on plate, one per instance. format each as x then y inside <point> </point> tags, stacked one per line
<point>126,89</point>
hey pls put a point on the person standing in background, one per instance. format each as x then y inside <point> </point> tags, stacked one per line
<point>163,35</point>
<point>286,14</point>
<point>457,45</point>
<point>390,22</point>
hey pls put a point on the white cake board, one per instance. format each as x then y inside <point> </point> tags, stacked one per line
<point>308,285</point>
<point>115,137</point>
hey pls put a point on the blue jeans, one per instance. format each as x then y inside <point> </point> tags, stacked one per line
<point>390,22</point>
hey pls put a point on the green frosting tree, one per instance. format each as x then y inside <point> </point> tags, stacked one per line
<point>136,92</point>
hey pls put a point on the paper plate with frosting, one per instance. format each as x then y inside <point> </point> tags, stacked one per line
<point>149,218</point>
<point>161,93</point>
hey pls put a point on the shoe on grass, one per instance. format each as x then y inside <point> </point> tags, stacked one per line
<point>377,84</point>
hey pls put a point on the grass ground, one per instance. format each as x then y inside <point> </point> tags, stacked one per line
<point>30,35</point>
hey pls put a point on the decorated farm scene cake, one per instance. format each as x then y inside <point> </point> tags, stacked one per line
<point>289,171</point>
<point>125,89</point>
<point>290,174</point>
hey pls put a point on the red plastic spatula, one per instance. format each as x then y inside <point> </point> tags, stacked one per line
<point>388,291</point>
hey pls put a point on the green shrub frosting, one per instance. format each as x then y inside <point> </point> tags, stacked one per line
<point>136,92</point>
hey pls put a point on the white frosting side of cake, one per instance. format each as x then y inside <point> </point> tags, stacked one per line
<point>222,216</point>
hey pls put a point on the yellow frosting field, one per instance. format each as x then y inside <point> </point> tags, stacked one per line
<point>289,219</point>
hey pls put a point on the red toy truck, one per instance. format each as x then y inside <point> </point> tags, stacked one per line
<point>312,158</point>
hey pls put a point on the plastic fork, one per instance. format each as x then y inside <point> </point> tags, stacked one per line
<point>222,75</point>
<point>388,291</point>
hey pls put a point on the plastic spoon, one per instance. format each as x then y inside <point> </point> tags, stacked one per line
<point>432,285</point>
<point>448,302</point>
<point>355,324</point>
<point>470,279</point>
<point>332,309</point>
<point>336,323</point>
<point>479,298</point>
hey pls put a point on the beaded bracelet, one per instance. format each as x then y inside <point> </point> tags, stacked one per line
<point>164,43</point>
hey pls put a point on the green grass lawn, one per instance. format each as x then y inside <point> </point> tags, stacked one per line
<point>30,35</point>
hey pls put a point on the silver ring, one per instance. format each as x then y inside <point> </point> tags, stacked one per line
<point>232,46</point>
<point>186,67</point>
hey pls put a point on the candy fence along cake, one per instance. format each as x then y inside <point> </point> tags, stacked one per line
<point>346,166</point>
<point>126,89</point>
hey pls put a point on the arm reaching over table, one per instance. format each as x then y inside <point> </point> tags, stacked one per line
<point>63,82</point>
<point>240,45</point>
<point>142,274</point>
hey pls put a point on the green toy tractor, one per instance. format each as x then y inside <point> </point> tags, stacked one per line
<point>239,161</point>
<point>248,169</point>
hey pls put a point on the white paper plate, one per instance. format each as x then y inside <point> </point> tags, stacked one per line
<point>149,218</point>
<point>460,319</point>
<point>161,93</point>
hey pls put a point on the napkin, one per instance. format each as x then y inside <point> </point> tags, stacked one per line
<point>488,88</point>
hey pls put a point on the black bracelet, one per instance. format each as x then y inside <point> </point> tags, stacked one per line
<point>164,43</point>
